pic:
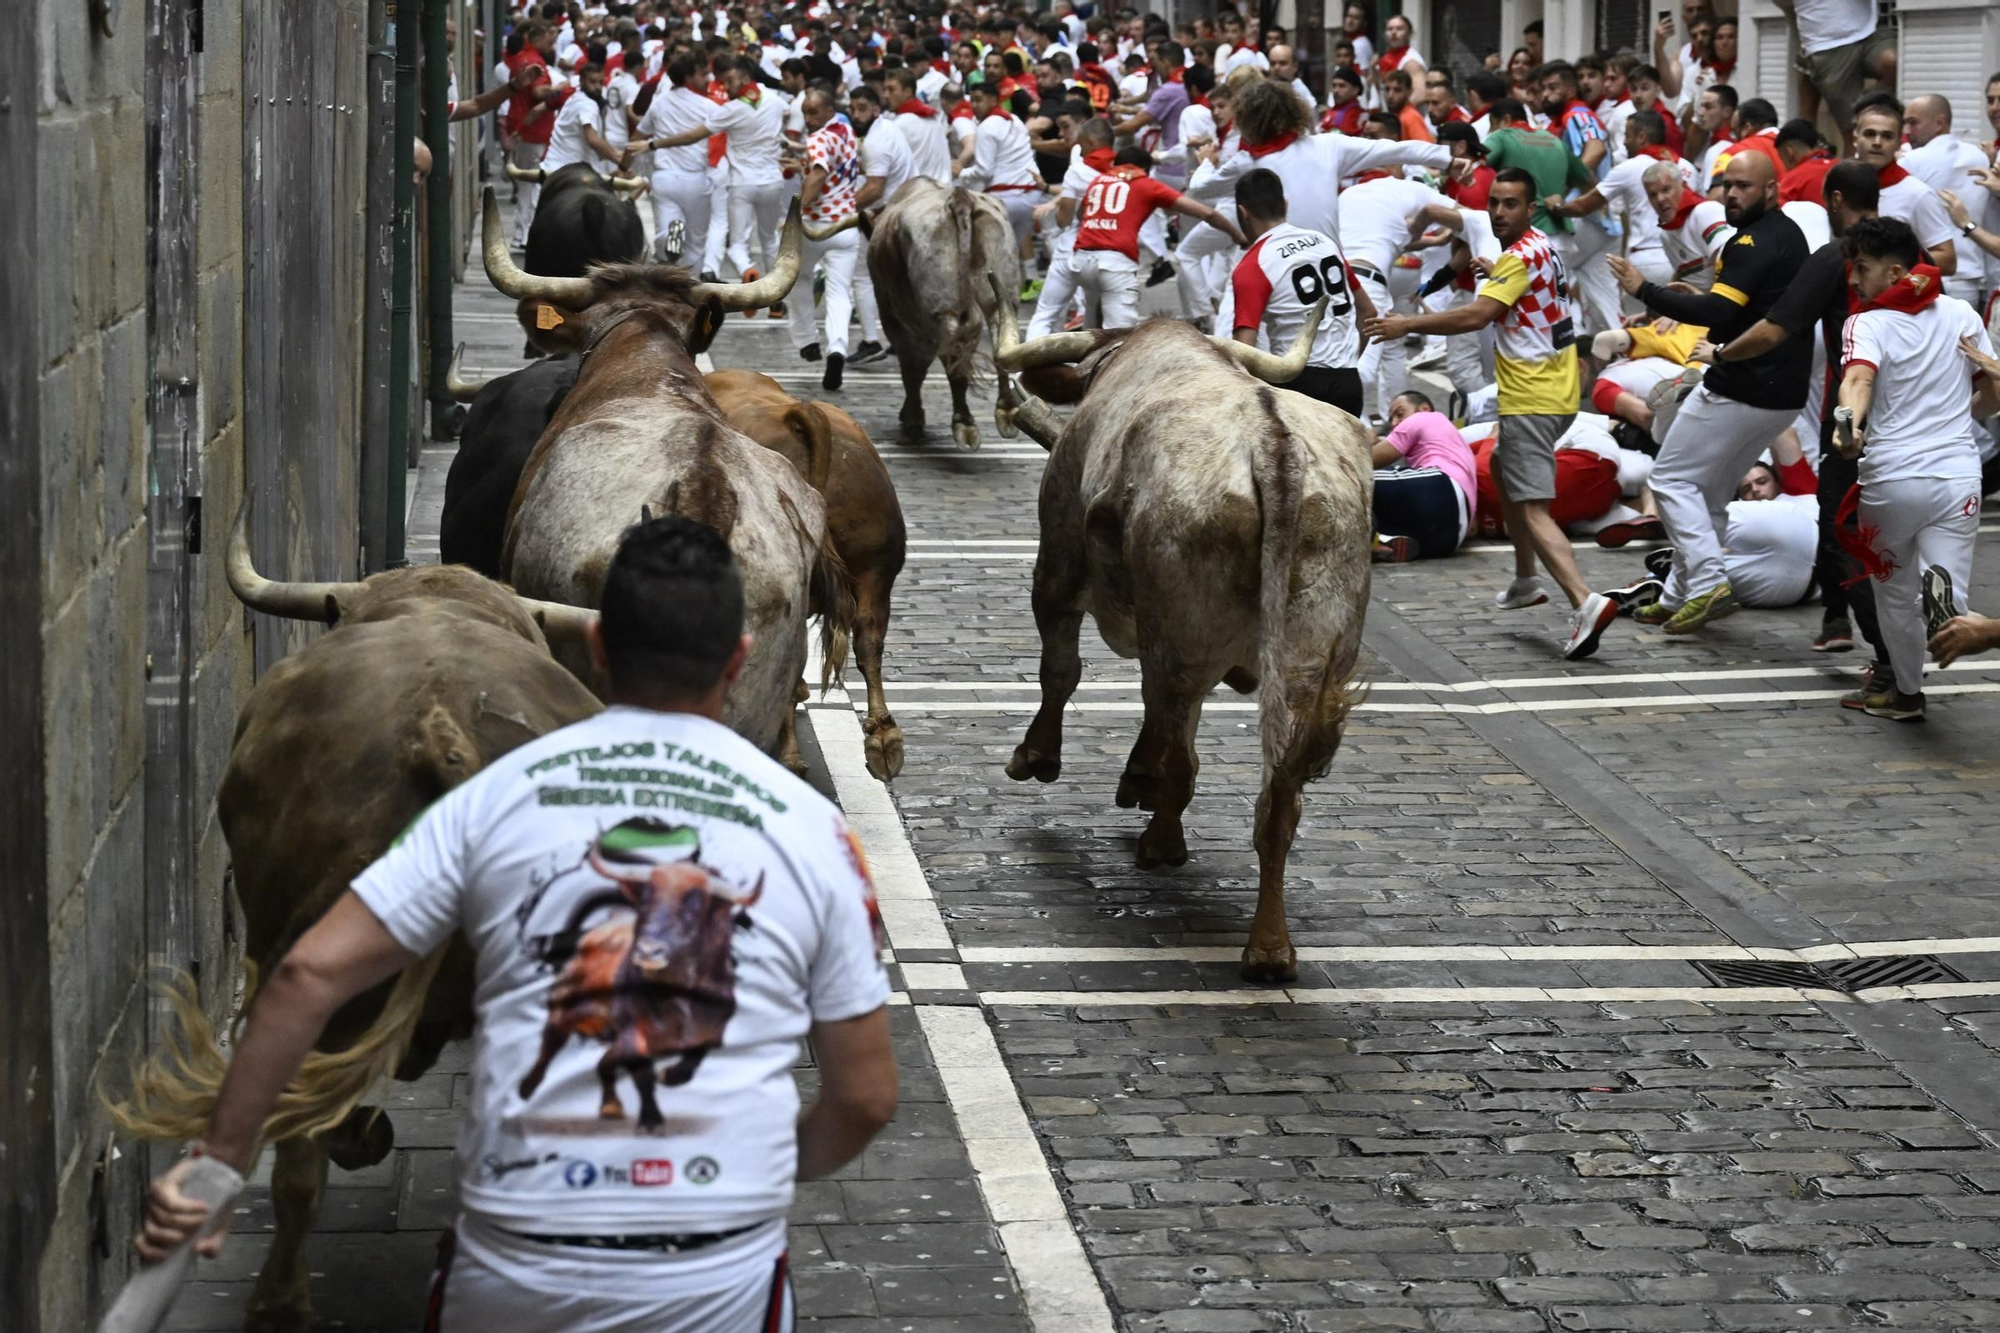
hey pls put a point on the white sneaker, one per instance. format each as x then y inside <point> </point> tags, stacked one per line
<point>1522,593</point>
<point>1588,625</point>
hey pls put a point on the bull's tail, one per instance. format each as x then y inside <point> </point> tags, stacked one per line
<point>174,1093</point>
<point>1299,742</point>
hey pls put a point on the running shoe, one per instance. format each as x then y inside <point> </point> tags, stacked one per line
<point>1162,272</point>
<point>1660,562</point>
<point>777,310</point>
<point>672,243</point>
<point>868,351</point>
<point>1393,550</point>
<point>1876,678</point>
<point>1031,290</point>
<point>1654,613</point>
<point>1667,396</point>
<point>1835,636</point>
<point>1587,626</point>
<point>1521,594</point>
<point>708,275</point>
<point>1634,595</point>
<point>1645,528</point>
<point>1695,612</point>
<point>834,362</point>
<point>1940,604</point>
<point>810,352</point>
<point>1895,705</point>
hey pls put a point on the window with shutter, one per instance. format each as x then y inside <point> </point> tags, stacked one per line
<point>1625,25</point>
<point>1774,66</point>
<point>1463,36</point>
<point>1941,52</point>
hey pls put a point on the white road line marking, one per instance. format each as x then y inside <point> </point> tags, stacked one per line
<point>1057,1284</point>
<point>1831,674</point>
<point>1476,549</point>
<point>1043,999</point>
<point>1033,954</point>
<point>1009,542</point>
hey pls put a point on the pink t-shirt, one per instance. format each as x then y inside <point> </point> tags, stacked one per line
<point>1428,439</point>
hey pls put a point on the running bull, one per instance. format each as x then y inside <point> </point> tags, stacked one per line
<point>640,431</point>
<point>1218,533</point>
<point>659,984</point>
<point>931,252</point>
<point>581,219</point>
<point>429,674</point>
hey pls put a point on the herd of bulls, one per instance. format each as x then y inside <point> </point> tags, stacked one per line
<point>1218,531</point>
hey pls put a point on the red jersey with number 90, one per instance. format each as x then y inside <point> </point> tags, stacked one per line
<point>1116,205</point>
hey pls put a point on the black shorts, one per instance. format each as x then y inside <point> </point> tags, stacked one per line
<point>1339,386</point>
<point>1420,503</point>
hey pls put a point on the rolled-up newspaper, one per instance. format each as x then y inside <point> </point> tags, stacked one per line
<point>144,1303</point>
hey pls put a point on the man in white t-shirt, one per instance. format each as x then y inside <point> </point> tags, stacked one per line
<point>1378,221</point>
<point>887,165</point>
<point>1878,131</point>
<point>659,913</point>
<point>1284,273</point>
<point>1943,161</point>
<point>1623,191</point>
<point>675,128</point>
<point>578,135</point>
<point>1841,45</point>
<point>1088,160</point>
<point>921,124</point>
<point>1912,402</point>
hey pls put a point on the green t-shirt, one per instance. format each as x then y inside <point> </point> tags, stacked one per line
<point>1549,161</point>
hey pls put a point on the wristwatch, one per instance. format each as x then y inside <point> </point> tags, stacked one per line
<point>1968,229</point>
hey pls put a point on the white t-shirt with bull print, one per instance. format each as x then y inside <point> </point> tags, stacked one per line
<point>660,911</point>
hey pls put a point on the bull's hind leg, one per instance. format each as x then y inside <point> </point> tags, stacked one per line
<point>963,432</point>
<point>1138,784</point>
<point>1058,619</point>
<point>1173,711</point>
<point>910,421</point>
<point>281,1302</point>
<point>871,629</point>
<point>788,732</point>
<point>1269,958</point>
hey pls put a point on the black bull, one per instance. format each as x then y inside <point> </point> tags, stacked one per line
<point>579,221</point>
<point>661,984</point>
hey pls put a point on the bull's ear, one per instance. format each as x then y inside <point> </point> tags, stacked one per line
<point>707,323</point>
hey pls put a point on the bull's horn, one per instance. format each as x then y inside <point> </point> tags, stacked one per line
<point>292,601</point>
<point>531,174</point>
<point>1268,366</point>
<point>636,184</point>
<point>1010,353</point>
<point>827,233</point>
<point>767,290</point>
<point>512,281</point>
<point>560,622</point>
<point>1037,418</point>
<point>461,389</point>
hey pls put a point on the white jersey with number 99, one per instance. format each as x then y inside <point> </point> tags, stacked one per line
<point>1282,277</point>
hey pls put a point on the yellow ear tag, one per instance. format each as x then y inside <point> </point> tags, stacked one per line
<point>547,317</point>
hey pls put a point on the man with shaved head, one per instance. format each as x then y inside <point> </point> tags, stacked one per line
<point>1741,405</point>
<point>1945,162</point>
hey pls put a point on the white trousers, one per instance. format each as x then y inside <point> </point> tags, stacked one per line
<point>838,254</point>
<point>1592,288</point>
<point>496,1280</point>
<point>1384,365</point>
<point>1059,288</point>
<point>1918,522</point>
<point>682,196</point>
<point>1712,442</point>
<point>755,214</point>
<point>528,193</point>
<point>1468,357</point>
<point>1199,243</point>
<point>865,309</point>
<point>1110,282</point>
<point>1020,206</point>
<point>716,243</point>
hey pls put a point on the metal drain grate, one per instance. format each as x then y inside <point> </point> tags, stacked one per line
<point>1848,975</point>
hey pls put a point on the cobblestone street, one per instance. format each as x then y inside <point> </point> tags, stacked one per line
<point>1514,1088</point>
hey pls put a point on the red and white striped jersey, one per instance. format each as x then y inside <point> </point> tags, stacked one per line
<point>1281,277</point>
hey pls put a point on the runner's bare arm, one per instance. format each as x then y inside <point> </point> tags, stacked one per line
<point>857,1092</point>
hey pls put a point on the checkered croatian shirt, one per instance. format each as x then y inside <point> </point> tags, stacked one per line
<point>832,148</point>
<point>1535,339</point>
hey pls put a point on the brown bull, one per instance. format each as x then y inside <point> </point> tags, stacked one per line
<point>864,523</point>
<point>428,675</point>
<point>660,984</point>
<point>1218,531</point>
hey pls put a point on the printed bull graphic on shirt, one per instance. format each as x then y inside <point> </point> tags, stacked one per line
<point>658,983</point>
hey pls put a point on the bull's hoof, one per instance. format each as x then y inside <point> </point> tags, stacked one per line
<point>1270,967</point>
<point>611,1110</point>
<point>1135,789</point>
<point>363,1139</point>
<point>965,435</point>
<point>1162,847</point>
<point>1003,421</point>
<point>1028,763</point>
<point>885,752</point>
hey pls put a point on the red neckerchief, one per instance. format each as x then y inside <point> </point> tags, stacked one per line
<point>963,111</point>
<point>752,93</point>
<point>1126,172</point>
<point>1722,72</point>
<point>916,106</point>
<point>1270,146</point>
<point>1892,174</point>
<point>1660,151</point>
<point>1099,159</point>
<point>999,113</point>
<point>1909,293</point>
<point>942,66</point>
<point>1689,202</point>
<point>1178,75</point>
<point>1858,539</point>
<point>1391,58</point>
<point>1376,175</point>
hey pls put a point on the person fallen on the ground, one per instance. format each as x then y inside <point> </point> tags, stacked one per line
<point>1599,482</point>
<point>1426,487</point>
<point>647,964</point>
<point>1632,362</point>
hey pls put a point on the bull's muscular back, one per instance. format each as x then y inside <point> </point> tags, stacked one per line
<point>342,745</point>
<point>505,421</point>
